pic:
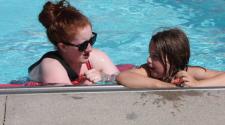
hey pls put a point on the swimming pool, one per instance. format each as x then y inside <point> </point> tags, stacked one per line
<point>124,29</point>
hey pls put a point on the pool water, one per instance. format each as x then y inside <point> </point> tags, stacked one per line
<point>124,29</point>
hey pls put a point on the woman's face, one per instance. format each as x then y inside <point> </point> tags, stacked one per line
<point>155,65</point>
<point>73,52</point>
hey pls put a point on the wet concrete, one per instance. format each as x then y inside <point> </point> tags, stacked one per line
<point>122,108</point>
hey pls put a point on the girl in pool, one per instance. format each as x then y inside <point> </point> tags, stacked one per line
<point>169,54</point>
<point>74,61</point>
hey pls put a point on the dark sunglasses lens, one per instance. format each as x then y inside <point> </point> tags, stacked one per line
<point>83,46</point>
<point>92,40</point>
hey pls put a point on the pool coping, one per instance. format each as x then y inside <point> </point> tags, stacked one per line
<point>95,88</point>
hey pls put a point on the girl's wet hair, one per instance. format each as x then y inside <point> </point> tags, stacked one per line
<point>172,46</point>
<point>62,21</point>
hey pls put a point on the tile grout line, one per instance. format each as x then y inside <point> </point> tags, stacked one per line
<point>5,110</point>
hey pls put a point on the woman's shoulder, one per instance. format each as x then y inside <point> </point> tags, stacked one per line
<point>97,52</point>
<point>98,55</point>
<point>44,68</point>
<point>47,63</point>
<point>101,61</point>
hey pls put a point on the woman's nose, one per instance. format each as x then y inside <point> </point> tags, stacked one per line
<point>89,48</point>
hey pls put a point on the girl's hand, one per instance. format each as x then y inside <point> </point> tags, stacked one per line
<point>185,79</point>
<point>178,82</point>
<point>93,75</point>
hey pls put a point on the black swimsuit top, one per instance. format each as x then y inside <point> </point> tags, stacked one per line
<point>55,55</point>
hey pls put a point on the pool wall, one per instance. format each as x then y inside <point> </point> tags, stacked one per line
<point>111,105</point>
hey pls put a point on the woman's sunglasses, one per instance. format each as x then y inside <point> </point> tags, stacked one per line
<point>83,46</point>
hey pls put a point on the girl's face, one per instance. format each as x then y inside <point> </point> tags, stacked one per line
<point>155,65</point>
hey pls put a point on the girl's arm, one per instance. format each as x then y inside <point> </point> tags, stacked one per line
<point>200,77</point>
<point>138,78</point>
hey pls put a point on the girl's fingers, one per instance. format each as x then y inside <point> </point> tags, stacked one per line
<point>177,81</point>
<point>181,74</point>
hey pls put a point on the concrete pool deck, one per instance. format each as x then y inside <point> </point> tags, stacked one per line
<point>107,106</point>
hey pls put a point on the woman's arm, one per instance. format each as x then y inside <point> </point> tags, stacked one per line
<point>102,62</point>
<point>138,78</point>
<point>101,66</point>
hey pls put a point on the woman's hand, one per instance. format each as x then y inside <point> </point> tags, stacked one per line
<point>93,75</point>
<point>182,78</point>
